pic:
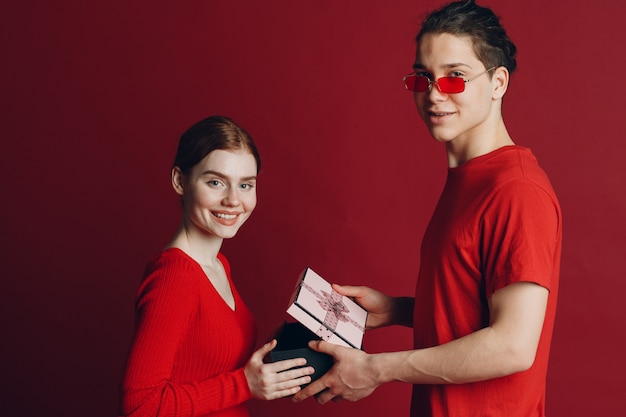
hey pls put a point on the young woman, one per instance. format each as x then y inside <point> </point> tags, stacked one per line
<point>193,350</point>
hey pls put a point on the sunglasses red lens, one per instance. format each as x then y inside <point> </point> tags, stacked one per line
<point>416,83</point>
<point>449,85</point>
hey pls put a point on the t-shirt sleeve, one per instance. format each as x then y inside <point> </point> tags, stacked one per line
<point>520,234</point>
<point>166,303</point>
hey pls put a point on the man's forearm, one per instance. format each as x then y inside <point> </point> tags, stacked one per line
<point>476,357</point>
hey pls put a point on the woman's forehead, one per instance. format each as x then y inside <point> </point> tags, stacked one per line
<point>222,160</point>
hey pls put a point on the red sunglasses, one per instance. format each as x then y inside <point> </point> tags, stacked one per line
<point>447,85</point>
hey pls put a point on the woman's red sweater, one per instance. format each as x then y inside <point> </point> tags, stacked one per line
<point>190,347</point>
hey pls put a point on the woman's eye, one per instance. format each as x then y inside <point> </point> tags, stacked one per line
<point>456,74</point>
<point>214,183</point>
<point>247,186</point>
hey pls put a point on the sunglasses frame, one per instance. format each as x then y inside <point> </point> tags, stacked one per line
<point>436,82</point>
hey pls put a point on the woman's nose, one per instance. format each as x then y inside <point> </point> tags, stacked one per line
<point>231,198</point>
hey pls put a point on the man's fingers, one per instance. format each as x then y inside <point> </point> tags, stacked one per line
<point>313,389</point>
<point>349,290</point>
<point>322,346</point>
<point>326,396</point>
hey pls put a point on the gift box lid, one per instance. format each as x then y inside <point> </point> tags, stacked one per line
<point>331,316</point>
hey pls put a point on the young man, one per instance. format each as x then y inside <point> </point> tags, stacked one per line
<point>485,299</point>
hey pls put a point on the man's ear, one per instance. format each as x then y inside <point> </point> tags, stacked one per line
<point>178,179</point>
<point>501,82</point>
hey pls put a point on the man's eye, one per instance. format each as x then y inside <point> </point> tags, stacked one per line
<point>214,183</point>
<point>247,186</point>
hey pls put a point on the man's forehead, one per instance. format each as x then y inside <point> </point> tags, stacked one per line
<point>445,51</point>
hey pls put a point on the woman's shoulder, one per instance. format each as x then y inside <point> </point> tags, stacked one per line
<point>171,276</point>
<point>171,265</point>
<point>170,258</point>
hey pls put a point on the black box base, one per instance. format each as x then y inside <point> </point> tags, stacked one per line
<point>293,339</point>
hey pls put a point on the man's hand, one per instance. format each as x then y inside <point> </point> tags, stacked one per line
<point>382,310</point>
<point>350,378</point>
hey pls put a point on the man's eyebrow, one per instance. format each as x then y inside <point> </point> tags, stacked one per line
<point>420,66</point>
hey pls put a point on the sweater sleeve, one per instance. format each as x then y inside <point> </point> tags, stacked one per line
<point>166,304</point>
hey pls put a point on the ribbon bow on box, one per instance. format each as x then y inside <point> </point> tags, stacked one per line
<point>329,315</point>
<point>336,310</point>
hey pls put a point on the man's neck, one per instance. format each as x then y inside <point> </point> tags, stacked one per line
<point>463,149</point>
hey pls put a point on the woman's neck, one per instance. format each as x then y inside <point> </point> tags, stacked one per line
<point>201,247</point>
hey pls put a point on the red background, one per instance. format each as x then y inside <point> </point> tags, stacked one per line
<point>94,96</point>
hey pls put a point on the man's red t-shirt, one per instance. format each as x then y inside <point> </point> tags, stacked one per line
<point>497,222</point>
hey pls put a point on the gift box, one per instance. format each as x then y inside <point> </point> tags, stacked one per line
<point>321,313</point>
<point>331,316</point>
<point>293,339</point>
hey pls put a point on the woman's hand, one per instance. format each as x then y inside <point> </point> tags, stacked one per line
<point>269,381</point>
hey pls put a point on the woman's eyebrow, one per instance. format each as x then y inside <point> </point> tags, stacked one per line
<point>222,175</point>
<point>211,172</point>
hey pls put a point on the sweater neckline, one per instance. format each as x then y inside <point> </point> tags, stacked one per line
<point>220,257</point>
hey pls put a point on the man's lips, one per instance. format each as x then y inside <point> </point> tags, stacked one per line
<point>440,113</point>
<point>437,117</point>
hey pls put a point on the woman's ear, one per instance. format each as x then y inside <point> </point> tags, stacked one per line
<point>178,179</point>
<point>501,82</point>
